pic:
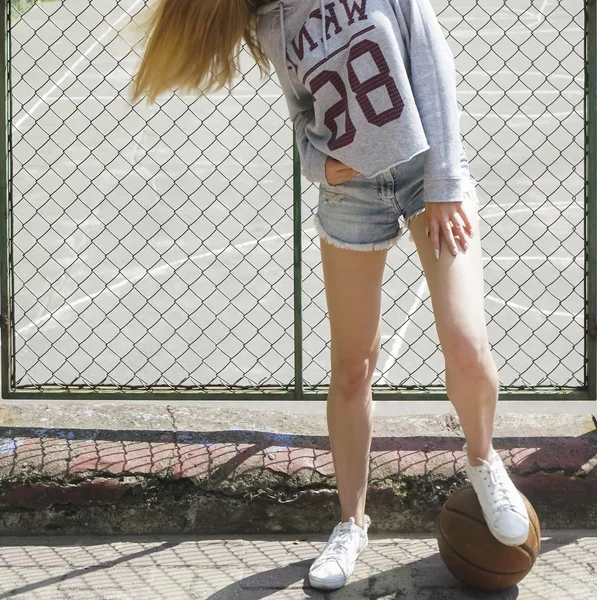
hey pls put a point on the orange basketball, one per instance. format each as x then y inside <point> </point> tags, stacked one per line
<point>470,551</point>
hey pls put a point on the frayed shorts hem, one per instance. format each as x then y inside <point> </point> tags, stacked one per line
<point>469,194</point>
<point>407,223</point>
<point>365,247</point>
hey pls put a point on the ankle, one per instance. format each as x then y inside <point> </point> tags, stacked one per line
<point>473,457</point>
<point>358,519</point>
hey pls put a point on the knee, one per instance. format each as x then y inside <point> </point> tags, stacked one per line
<point>469,356</point>
<point>350,377</point>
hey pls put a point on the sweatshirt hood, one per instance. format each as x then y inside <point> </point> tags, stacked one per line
<point>281,5</point>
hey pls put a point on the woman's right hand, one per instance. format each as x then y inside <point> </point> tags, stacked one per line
<point>337,172</point>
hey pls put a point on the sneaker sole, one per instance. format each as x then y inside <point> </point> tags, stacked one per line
<point>334,584</point>
<point>505,540</point>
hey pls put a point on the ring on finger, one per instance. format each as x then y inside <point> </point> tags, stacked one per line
<point>462,236</point>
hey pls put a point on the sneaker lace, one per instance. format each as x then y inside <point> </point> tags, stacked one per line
<point>503,500</point>
<point>339,545</point>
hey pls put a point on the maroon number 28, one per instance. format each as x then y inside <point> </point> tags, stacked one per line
<point>360,89</point>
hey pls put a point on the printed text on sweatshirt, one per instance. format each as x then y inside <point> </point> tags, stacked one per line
<point>370,83</point>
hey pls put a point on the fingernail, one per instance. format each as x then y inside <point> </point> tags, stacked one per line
<point>437,254</point>
<point>465,246</point>
<point>455,250</point>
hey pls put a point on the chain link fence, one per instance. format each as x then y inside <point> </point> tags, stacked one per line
<point>171,250</point>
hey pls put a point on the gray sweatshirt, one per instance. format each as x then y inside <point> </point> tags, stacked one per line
<point>372,84</point>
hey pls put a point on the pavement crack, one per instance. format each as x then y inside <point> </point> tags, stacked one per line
<point>172,418</point>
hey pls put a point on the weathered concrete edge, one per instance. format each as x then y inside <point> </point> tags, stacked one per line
<point>218,481</point>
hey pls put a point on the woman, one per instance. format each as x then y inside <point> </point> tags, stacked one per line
<point>370,87</point>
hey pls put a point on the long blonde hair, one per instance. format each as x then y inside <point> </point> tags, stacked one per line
<point>195,45</point>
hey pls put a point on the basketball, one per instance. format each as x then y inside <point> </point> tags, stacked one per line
<point>470,551</point>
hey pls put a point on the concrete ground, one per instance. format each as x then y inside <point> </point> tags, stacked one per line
<point>275,566</point>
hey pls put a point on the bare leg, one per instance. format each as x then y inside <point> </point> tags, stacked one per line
<point>353,292</point>
<point>456,288</point>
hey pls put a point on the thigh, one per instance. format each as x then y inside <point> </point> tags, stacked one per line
<point>456,284</point>
<point>353,280</point>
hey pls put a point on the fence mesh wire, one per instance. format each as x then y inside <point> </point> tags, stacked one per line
<point>153,247</point>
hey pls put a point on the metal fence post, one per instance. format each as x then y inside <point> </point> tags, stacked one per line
<point>591,193</point>
<point>5,208</point>
<point>297,260</point>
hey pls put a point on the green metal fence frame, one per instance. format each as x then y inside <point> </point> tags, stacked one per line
<point>109,393</point>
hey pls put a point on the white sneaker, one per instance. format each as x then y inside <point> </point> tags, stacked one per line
<point>332,568</point>
<point>503,507</point>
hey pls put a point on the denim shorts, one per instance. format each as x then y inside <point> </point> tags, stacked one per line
<point>365,213</point>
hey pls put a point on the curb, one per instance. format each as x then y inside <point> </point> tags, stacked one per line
<point>212,480</point>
